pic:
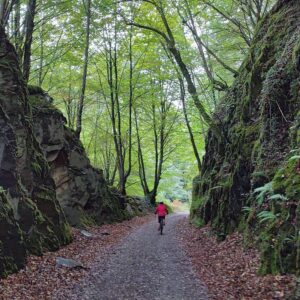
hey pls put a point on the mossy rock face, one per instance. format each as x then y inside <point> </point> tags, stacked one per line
<point>35,221</point>
<point>260,118</point>
<point>282,238</point>
<point>12,248</point>
<point>81,189</point>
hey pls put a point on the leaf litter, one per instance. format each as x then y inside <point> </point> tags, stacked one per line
<point>42,278</point>
<point>228,269</point>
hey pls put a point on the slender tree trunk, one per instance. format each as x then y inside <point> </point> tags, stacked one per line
<point>17,28</point>
<point>3,4</point>
<point>187,122</point>
<point>85,67</point>
<point>193,91</point>
<point>5,10</point>
<point>41,58</point>
<point>171,45</point>
<point>118,136</point>
<point>130,106</point>
<point>185,113</point>
<point>116,116</point>
<point>29,25</point>
<point>160,134</point>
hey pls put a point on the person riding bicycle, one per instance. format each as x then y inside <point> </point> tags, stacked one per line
<point>161,210</point>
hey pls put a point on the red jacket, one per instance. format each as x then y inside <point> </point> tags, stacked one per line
<point>161,210</point>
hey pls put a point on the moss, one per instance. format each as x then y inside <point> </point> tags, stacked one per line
<point>196,204</point>
<point>37,169</point>
<point>280,241</point>
<point>287,180</point>
<point>261,121</point>
<point>278,249</point>
<point>87,221</point>
<point>269,261</point>
<point>197,222</point>
<point>35,90</point>
<point>39,98</point>
<point>12,250</point>
<point>296,53</point>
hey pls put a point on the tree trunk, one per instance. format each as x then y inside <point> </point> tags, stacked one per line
<point>187,122</point>
<point>151,197</point>
<point>29,26</point>
<point>85,67</point>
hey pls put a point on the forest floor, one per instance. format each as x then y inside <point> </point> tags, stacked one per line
<point>130,260</point>
<point>228,269</point>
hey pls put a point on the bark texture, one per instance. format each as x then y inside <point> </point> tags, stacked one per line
<point>260,116</point>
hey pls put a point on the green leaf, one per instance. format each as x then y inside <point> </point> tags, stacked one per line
<point>278,197</point>
<point>295,157</point>
<point>263,191</point>
<point>265,216</point>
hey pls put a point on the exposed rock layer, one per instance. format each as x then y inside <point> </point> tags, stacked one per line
<point>260,116</point>
<point>31,219</point>
<point>45,175</point>
<point>80,188</point>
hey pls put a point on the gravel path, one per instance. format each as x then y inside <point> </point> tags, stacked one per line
<point>145,266</point>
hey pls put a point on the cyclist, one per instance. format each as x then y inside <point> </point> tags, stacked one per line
<point>161,210</point>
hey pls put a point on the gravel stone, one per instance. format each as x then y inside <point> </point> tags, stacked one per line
<point>144,266</point>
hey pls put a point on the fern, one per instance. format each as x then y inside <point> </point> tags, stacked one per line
<point>247,209</point>
<point>295,151</point>
<point>290,239</point>
<point>266,215</point>
<point>216,187</point>
<point>295,157</point>
<point>263,191</point>
<point>278,197</point>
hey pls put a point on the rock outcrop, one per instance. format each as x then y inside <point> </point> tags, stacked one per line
<point>251,177</point>
<point>80,188</point>
<point>31,219</point>
<point>46,179</point>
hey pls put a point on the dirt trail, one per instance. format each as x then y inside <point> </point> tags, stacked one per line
<point>145,266</point>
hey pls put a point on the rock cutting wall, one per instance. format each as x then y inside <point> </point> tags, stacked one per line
<point>80,188</point>
<point>251,178</point>
<point>31,219</point>
<point>46,179</point>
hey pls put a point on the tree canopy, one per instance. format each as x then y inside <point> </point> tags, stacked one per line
<point>138,80</point>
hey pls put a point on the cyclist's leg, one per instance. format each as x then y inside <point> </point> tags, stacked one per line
<point>161,226</point>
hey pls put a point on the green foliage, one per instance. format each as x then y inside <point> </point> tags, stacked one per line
<point>38,170</point>
<point>295,157</point>
<point>247,209</point>
<point>197,222</point>
<point>263,191</point>
<point>278,197</point>
<point>266,216</point>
